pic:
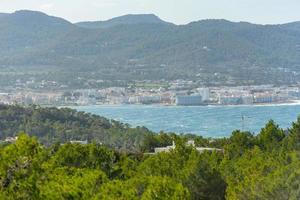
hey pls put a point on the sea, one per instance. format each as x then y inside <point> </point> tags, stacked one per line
<point>207,121</point>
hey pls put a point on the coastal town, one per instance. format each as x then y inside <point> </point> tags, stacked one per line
<point>178,92</point>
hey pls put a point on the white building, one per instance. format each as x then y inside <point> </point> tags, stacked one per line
<point>189,143</point>
<point>11,139</point>
<point>247,99</point>
<point>165,149</point>
<point>204,92</point>
<point>79,142</point>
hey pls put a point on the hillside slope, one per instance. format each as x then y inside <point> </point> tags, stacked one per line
<point>139,49</point>
<point>123,20</point>
<point>51,125</point>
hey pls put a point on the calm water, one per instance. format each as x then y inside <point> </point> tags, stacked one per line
<point>208,121</point>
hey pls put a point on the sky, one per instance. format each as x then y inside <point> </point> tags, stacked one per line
<point>176,11</point>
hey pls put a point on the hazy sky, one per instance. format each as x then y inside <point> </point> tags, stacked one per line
<point>176,11</point>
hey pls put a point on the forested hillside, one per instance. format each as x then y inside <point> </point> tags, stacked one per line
<point>53,125</point>
<point>122,20</point>
<point>143,47</point>
<point>266,166</point>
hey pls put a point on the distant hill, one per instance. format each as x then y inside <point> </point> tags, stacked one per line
<point>51,125</point>
<point>123,20</point>
<point>24,31</point>
<point>144,47</point>
<point>292,26</point>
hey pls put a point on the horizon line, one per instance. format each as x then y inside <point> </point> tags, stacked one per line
<point>178,24</point>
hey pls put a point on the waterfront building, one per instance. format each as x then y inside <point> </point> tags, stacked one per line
<point>86,101</point>
<point>230,100</point>
<point>193,100</point>
<point>294,94</point>
<point>148,99</point>
<point>133,99</point>
<point>204,92</point>
<point>263,98</point>
<point>247,100</point>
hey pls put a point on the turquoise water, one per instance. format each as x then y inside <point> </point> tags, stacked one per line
<point>208,121</point>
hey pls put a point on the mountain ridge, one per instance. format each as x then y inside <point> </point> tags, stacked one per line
<point>239,51</point>
<point>123,20</point>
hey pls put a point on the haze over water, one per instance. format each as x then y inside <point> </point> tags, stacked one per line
<point>208,121</point>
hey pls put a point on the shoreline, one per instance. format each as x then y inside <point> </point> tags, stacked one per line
<point>198,120</point>
<point>291,103</point>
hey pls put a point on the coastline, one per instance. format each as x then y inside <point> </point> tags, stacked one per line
<point>199,120</point>
<point>291,103</point>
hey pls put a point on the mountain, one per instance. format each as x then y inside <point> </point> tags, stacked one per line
<point>123,20</point>
<point>142,47</point>
<point>24,27</point>
<point>25,33</point>
<point>35,23</point>
<point>292,26</point>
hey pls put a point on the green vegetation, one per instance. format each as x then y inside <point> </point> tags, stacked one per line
<point>215,52</point>
<point>265,166</point>
<point>123,20</point>
<point>52,125</point>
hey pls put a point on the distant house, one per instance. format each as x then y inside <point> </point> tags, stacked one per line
<point>11,139</point>
<point>203,149</point>
<point>189,143</point>
<point>79,142</point>
<point>165,149</point>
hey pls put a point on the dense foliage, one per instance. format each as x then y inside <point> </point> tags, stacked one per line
<point>52,125</point>
<point>262,166</point>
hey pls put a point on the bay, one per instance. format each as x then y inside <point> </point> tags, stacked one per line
<point>208,121</point>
